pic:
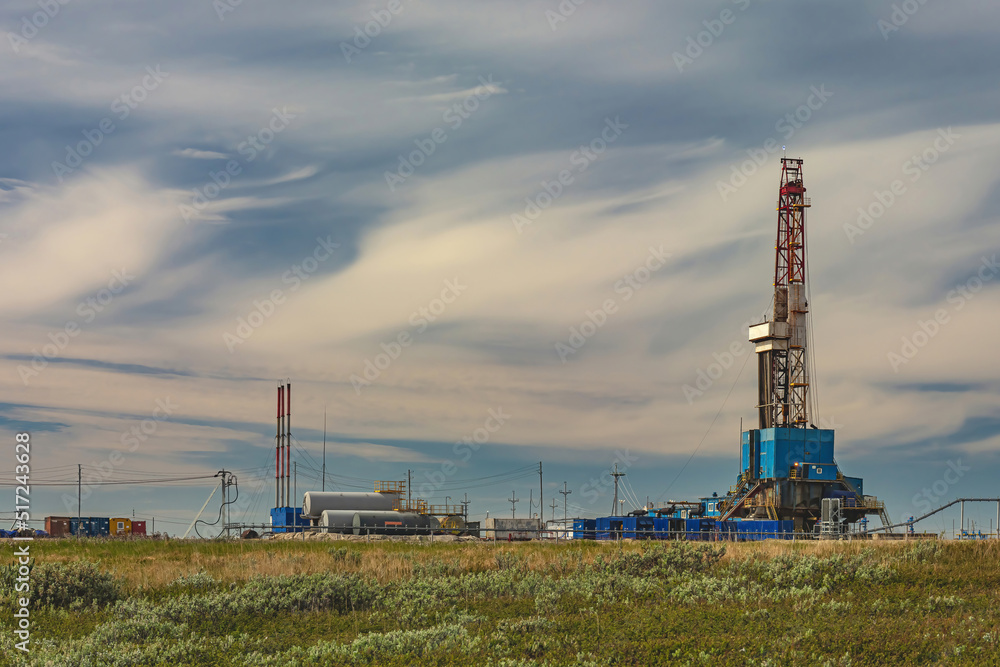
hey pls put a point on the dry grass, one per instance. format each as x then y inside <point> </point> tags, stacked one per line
<point>150,564</point>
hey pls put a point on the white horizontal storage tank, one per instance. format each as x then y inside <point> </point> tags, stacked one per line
<point>514,529</point>
<point>337,521</point>
<point>314,503</point>
<point>391,523</point>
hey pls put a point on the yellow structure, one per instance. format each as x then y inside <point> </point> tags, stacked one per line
<point>121,527</point>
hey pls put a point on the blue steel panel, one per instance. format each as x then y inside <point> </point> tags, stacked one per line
<point>857,483</point>
<point>810,446</point>
<point>755,458</point>
<point>783,454</point>
<point>628,527</point>
<point>284,517</point>
<point>584,528</point>
<point>608,527</point>
<point>826,445</point>
<point>824,472</point>
<point>767,452</point>
<point>752,530</point>
<point>781,447</point>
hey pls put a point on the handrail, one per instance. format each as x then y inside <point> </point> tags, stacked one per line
<point>931,513</point>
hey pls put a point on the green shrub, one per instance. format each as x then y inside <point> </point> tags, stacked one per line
<point>72,585</point>
<point>659,560</point>
<point>345,555</point>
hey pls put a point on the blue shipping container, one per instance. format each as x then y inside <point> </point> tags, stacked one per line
<point>585,529</point>
<point>100,526</point>
<point>75,527</point>
<point>700,529</point>
<point>751,530</point>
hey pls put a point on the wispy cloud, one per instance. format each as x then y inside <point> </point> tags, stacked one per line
<point>325,178</point>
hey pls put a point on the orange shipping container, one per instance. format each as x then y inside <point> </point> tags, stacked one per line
<point>121,526</point>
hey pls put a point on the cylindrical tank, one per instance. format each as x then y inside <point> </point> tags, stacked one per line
<point>453,524</point>
<point>391,523</point>
<point>337,521</point>
<point>314,503</point>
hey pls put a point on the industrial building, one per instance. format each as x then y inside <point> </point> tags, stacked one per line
<point>790,482</point>
<point>387,510</point>
<point>790,485</point>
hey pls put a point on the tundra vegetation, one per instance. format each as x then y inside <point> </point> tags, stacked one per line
<point>108,603</point>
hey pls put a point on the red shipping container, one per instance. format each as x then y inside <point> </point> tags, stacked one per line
<point>57,526</point>
<point>138,527</point>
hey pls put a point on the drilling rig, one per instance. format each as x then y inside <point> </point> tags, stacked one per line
<point>788,467</point>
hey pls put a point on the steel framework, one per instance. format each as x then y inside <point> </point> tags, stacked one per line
<point>782,367</point>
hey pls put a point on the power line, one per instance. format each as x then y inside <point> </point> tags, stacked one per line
<point>709,430</point>
<point>116,482</point>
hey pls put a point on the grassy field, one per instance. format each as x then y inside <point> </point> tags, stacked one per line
<point>391,603</point>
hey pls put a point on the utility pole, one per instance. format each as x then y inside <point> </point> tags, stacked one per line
<point>409,486</point>
<point>225,492</point>
<point>513,504</point>
<point>295,482</point>
<point>541,496</point>
<point>616,475</point>
<point>554,509</point>
<point>530,503</point>
<point>465,507</point>
<point>79,498</point>
<point>565,492</point>
<point>277,450</point>
<point>324,449</point>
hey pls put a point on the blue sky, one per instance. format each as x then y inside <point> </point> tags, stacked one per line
<point>426,211</point>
